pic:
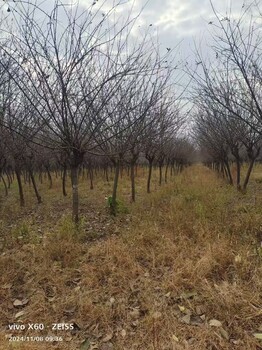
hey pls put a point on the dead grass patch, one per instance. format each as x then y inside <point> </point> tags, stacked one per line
<point>150,279</point>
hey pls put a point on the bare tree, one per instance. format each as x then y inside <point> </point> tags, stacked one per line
<point>228,88</point>
<point>69,72</point>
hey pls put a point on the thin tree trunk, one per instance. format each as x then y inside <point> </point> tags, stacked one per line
<point>132,175</point>
<point>230,179</point>
<point>39,200</point>
<point>75,199</point>
<point>160,174</point>
<point>149,175</point>
<point>64,181</point>
<point>49,178</point>
<point>238,173</point>
<point>116,177</point>
<point>249,170</point>
<point>6,190</point>
<point>167,165</point>
<point>20,187</point>
<point>9,180</point>
<point>91,175</point>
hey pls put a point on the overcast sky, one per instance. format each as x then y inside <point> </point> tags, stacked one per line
<point>182,25</point>
<point>173,21</point>
<point>177,21</point>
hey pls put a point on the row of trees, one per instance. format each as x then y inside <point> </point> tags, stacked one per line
<point>227,98</point>
<point>75,87</point>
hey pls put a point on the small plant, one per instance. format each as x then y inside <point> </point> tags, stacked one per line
<point>117,207</point>
<point>68,231</point>
<point>22,233</point>
<point>110,201</point>
<point>113,205</point>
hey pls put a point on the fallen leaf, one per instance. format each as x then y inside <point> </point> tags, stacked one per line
<point>18,303</point>
<point>238,259</point>
<point>123,333</point>
<point>181,308</point>
<point>19,314</point>
<point>186,319</point>
<point>224,333</point>
<point>196,321</point>
<point>175,338</point>
<point>215,323</point>
<point>107,338</point>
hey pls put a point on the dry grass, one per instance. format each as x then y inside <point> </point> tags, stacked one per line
<point>141,280</point>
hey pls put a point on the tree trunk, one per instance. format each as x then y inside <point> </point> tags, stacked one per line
<point>91,175</point>
<point>49,178</point>
<point>149,175</point>
<point>39,200</point>
<point>64,181</point>
<point>6,190</point>
<point>249,170</point>
<point>114,202</point>
<point>238,173</point>
<point>160,174</point>
<point>228,171</point>
<point>20,187</point>
<point>167,165</point>
<point>75,199</point>
<point>132,174</point>
<point>9,179</point>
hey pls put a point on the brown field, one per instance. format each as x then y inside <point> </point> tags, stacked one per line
<point>159,276</point>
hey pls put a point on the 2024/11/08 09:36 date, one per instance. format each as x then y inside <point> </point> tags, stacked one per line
<point>48,338</point>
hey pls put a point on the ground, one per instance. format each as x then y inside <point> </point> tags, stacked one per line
<point>178,269</point>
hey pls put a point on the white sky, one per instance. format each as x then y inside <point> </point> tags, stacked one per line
<point>176,20</point>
